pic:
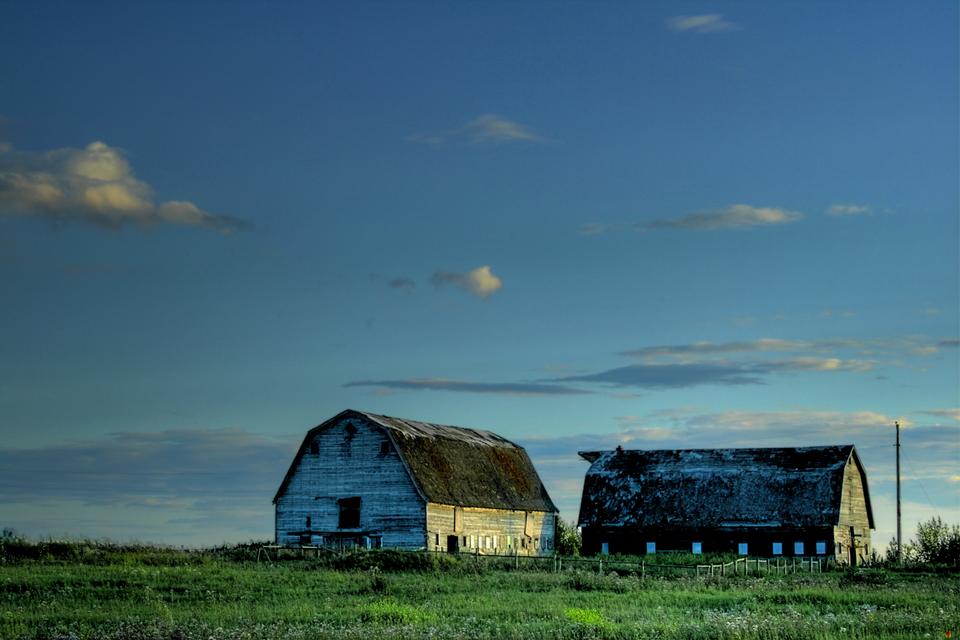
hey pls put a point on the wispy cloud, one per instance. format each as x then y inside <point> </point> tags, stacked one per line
<point>96,185</point>
<point>711,348</point>
<point>672,376</point>
<point>703,23</point>
<point>480,282</point>
<point>691,374</point>
<point>735,216</point>
<point>915,345</point>
<point>848,210</point>
<point>443,384</point>
<point>484,129</point>
<point>403,283</point>
<point>950,414</point>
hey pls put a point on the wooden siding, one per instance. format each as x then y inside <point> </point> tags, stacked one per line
<point>352,465</point>
<point>491,531</point>
<point>853,513</point>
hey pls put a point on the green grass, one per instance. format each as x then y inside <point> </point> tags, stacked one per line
<point>122,596</point>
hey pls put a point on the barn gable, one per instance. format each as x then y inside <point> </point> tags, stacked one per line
<point>717,488</point>
<point>452,465</point>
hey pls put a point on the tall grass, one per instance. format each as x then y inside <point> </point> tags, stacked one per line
<point>130,591</point>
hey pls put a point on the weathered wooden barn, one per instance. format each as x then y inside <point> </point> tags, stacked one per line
<point>361,479</point>
<point>763,502</point>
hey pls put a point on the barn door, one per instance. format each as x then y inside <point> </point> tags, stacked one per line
<point>453,544</point>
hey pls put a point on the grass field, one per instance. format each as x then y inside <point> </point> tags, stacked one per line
<point>177,595</point>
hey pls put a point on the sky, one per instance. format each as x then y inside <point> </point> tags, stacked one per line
<point>657,224</point>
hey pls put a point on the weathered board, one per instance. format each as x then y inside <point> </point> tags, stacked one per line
<point>347,465</point>
<point>485,531</point>
<point>853,513</point>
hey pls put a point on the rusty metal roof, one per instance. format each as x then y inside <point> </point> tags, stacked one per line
<point>769,487</point>
<point>455,465</point>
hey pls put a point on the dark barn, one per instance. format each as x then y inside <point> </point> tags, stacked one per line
<point>762,502</point>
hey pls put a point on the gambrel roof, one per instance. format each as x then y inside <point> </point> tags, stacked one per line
<point>769,487</point>
<point>453,465</point>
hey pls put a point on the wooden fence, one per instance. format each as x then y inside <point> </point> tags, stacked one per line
<point>600,564</point>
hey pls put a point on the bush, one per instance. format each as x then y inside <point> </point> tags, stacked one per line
<point>936,543</point>
<point>568,539</point>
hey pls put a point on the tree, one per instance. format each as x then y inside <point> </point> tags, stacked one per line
<point>936,542</point>
<point>568,538</point>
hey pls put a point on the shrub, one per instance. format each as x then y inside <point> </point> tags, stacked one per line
<point>569,541</point>
<point>936,542</point>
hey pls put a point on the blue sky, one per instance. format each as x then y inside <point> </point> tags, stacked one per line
<point>656,224</point>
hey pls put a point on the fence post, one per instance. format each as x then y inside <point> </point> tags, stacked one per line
<point>643,569</point>
<point>601,565</point>
<point>516,558</point>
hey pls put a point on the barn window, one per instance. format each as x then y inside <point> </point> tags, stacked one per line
<point>496,540</point>
<point>349,513</point>
<point>309,521</point>
<point>778,548</point>
<point>605,548</point>
<point>798,548</point>
<point>350,429</point>
<point>651,547</point>
<point>314,448</point>
<point>742,549</point>
<point>697,548</point>
<point>437,541</point>
<point>384,448</point>
<point>821,548</point>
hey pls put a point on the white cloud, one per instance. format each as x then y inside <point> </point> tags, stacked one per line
<point>480,282</point>
<point>734,216</point>
<point>96,185</point>
<point>484,129</point>
<point>704,23</point>
<point>848,209</point>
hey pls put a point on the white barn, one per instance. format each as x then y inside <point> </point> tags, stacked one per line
<point>362,479</point>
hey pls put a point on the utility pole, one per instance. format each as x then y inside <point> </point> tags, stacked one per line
<point>899,526</point>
